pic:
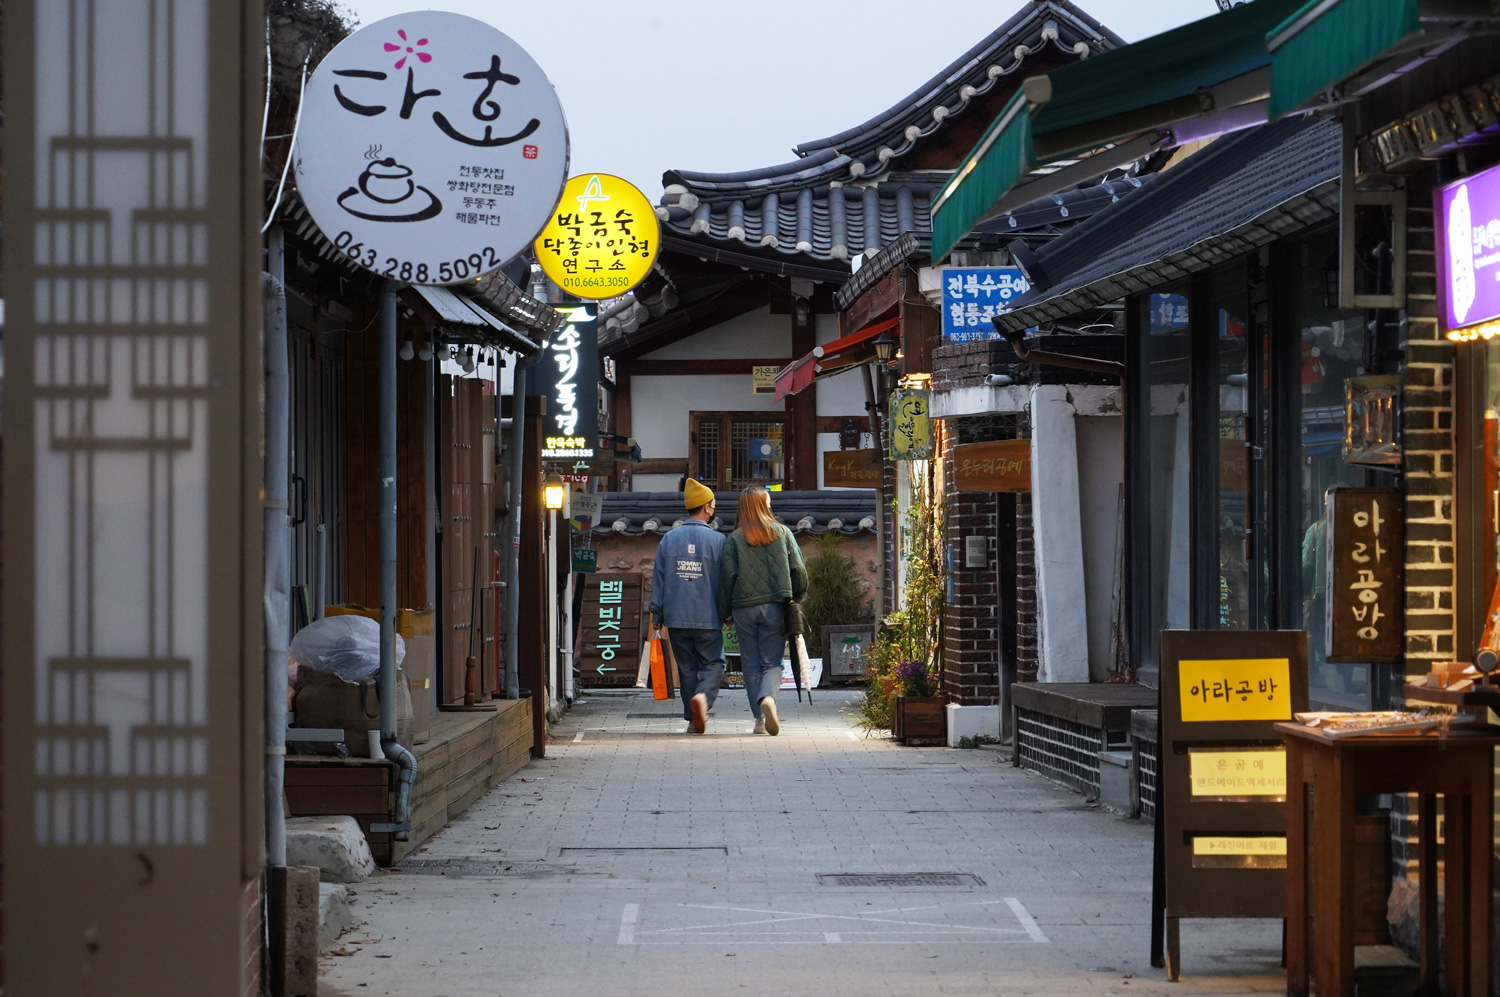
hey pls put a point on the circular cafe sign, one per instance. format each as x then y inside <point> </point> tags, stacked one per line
<point>601,239</point>
<point>432,148</point>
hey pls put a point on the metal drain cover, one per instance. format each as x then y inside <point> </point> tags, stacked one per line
<point>899,879</point>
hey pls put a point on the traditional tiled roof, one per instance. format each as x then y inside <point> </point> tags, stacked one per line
<point>842,196</point>
<point>846,511</point>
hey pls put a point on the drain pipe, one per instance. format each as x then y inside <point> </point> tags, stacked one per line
<point>277,592</point>
<point>513,529</point>
<point>405,761</point>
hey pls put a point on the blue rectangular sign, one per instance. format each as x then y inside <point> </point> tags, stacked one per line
<point>972,296</point>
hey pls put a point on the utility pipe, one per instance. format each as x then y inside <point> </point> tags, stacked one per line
<point>567,603</point>
<point>405,761</point>
<point>877,431</point>
<point>277,591</point>
<point>513,530</point>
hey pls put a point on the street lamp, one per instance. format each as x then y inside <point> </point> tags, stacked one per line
<point>885,347</point>
<point>552,491</point>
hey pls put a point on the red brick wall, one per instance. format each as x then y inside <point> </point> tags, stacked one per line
<point>971,637</point>
<point>1026,618</point>
<point>254,936</point>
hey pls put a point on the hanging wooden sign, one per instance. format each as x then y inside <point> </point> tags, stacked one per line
<point>1366,546</point>
<point>993,466</point>
<point>851,469</point>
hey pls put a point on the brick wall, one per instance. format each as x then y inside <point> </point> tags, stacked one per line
<point>1427,440</point>
<point>960,365</point>
<point>971,617</point>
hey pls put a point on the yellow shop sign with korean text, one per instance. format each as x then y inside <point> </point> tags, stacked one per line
<point>602,237</point>
<point>1235,689</point>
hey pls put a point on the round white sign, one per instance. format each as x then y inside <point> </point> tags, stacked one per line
<point>432,148</point>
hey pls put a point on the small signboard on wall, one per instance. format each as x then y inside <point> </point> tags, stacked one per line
<point>911,424</point>
<point>973,296</point>
<point>851,469</point>
<point>993,466</point>
<point>763,379</point>
<point>1365,548</point>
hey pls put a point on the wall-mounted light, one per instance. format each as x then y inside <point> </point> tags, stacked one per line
<point>552,491</point>
<point>885,347</point>
<point>1486,331</point>
<point>801,310</point>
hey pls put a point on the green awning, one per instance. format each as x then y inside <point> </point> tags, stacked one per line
<point>991,168</point>
<point>1114,105</point>
<point>1328,40</point>
<point>1201,68</point>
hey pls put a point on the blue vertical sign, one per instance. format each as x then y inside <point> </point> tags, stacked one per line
<point>972,296</point>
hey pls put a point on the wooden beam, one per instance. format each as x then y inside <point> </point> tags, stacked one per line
<point>532,666</point>
<point>875,303</point>
<point>921,333</point>
<point>834,423</point>
<point>803,408</point>
<point>661,465</point>
<point>653,368</point>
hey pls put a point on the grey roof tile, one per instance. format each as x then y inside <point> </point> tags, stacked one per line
<point>847,511</point>
<point>841,196</point>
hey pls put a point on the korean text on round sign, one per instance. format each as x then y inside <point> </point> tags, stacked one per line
<point>432,148</point>
<point>602,239</point>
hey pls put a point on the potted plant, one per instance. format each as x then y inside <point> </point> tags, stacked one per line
<point>920,716</point>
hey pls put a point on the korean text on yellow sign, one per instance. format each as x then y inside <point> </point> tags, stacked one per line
<point>1235,689</point>
<point>911,425</point>
<point>1240,773</point>
<point>602,238</point>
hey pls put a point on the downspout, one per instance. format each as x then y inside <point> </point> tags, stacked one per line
<point>513,529</point>
<point>877,430</point>
<point>277,591</point>
<point>405,761</point>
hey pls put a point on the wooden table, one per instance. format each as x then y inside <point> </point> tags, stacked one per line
<point>1324,775</point>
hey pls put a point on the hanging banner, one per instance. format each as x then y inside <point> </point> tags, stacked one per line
<point>584,509</point>
<point>602,238</point>
<point>569,378</point>
<point>432,149</point>
<point>911,424</point>
<point>1365,548</point>
<point>972,297</point>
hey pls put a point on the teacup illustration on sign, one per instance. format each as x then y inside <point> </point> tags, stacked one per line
<point>386,192</point>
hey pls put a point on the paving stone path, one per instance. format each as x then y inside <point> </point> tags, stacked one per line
<point>638,860</point>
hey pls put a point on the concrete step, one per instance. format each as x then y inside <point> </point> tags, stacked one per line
<point>335,915</point>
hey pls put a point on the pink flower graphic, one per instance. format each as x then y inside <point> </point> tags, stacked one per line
<point>409,49</point>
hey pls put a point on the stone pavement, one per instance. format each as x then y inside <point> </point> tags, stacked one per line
<point>638,860</point>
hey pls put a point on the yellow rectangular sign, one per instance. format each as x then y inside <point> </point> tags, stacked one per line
<point>1218,774</point>
<point>1235,689</point>
<point>1231,852</point>
<point>763,379</point>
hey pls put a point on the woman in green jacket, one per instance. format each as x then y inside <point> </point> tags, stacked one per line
<point>760,568</point>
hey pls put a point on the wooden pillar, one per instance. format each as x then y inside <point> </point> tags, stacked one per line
<point>533,578</point>
<point>803,408</point>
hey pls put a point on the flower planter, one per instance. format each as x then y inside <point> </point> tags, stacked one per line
<point>921,720</point>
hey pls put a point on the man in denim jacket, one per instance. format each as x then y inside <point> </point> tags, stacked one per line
<point>684,597</point>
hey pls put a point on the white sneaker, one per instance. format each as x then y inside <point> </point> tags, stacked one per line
<point>768,714</point>
<point>760,725</point>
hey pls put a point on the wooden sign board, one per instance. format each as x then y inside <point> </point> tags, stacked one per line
<point>1221,785</point>
<point>1365,548</point>
<point>610,628</point>
<point>851,469</point>
<point>994,466</point>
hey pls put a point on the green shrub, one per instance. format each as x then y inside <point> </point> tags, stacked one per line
<point>833,596</point>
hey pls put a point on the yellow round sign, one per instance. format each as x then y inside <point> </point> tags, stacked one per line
<point>601,239</point>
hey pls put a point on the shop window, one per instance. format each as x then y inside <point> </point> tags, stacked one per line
<point>733,450</point>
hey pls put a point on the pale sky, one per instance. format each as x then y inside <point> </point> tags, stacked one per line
<point>716,86</point>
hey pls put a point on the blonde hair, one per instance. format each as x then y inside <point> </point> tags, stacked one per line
<point>754,517</point>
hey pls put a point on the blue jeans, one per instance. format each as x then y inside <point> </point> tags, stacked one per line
<point>762,637</point>
<point>700,663</point>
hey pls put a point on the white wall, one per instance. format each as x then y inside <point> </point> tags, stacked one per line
<point>753,334</point>
<point>660,404</point>
<point>1100,473</point>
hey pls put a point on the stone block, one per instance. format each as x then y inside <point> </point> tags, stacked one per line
<point>1114,780</point>
<point>335,915</point>
<point>334,845</point>
<point>971,721</point>
<point>292,968</point>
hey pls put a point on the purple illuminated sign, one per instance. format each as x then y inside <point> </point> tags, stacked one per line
<point>1468,245</point>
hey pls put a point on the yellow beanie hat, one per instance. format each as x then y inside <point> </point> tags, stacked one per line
<point>696,493</point>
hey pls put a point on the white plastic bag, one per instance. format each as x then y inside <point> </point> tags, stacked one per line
<point>344,646</point>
